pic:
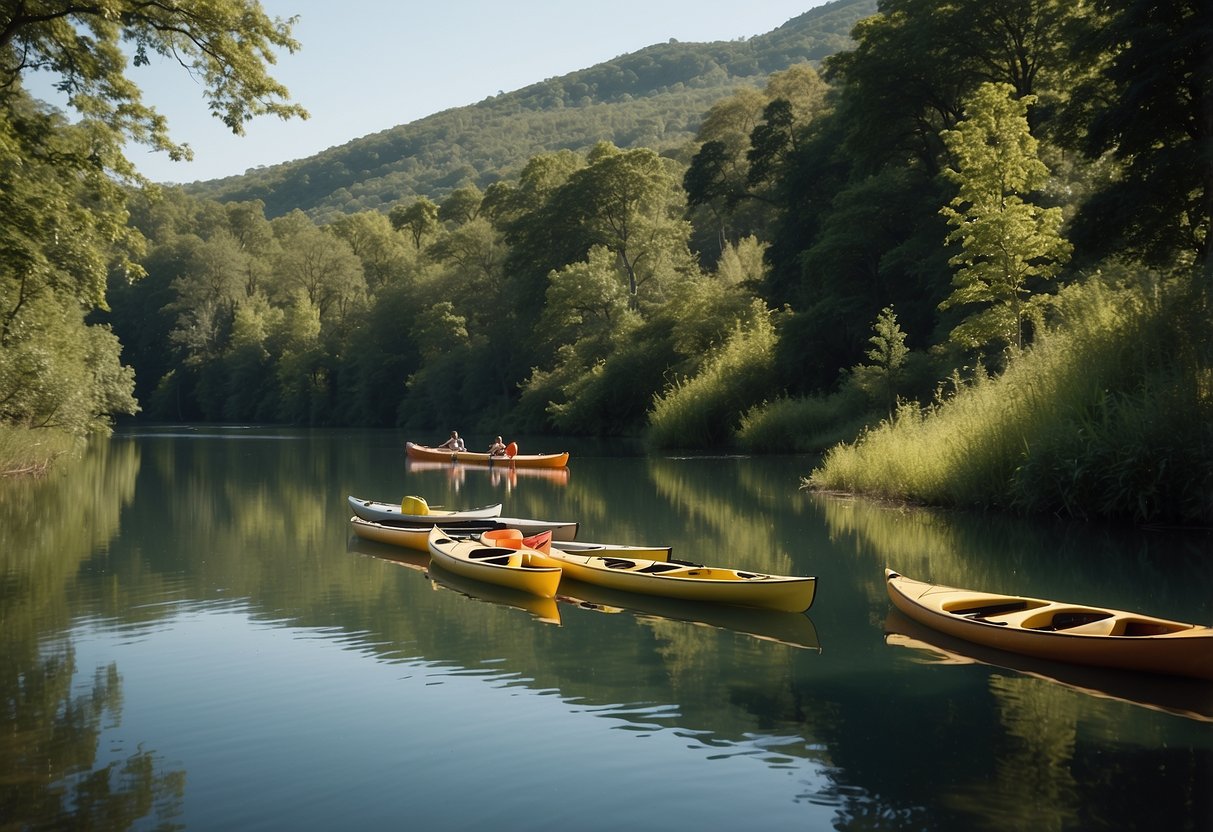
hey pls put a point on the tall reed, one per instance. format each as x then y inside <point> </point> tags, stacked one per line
<point>1109,414</point>
<point>703,411</point>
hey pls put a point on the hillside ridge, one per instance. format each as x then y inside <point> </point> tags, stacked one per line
<point>654,97</point>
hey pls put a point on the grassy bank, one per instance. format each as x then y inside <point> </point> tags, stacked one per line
<point>1110,414</point>
<point>26,452</point>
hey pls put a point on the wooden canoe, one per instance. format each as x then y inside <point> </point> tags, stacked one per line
<point>373,510</point>
<point>415,535</point>
<point>513,568</point>
<point>689,582</point>
<point>428,454</point>
<point>1179,695</point>
<point>1058,631</point>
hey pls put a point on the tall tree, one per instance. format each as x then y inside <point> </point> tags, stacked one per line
<point>61,185</point>
<point>1006,242</point>
<point>1150,106</point>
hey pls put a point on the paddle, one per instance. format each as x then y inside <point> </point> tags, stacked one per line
<point>511,451</point>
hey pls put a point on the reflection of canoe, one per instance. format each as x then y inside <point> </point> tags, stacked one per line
<point>428,454</point>
<point>1191,698</point>
<point>373,510</point>
<point>496,471</point>
<point>544,609</point>
<point>1058,631</point>
<point>416,535</point>
<point>690,582</point>
<point>505,567</point>
<point>792,628</point>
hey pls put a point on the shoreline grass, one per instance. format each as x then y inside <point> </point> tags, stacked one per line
<point>1108,415</point>
<point>29,452</point>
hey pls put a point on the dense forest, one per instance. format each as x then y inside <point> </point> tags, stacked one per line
<point>653,98</point>
<point>973,235</point>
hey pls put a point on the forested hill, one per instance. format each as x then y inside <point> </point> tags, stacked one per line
<point>654,98</point>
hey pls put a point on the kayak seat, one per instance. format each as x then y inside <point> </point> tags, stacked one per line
<point>1078,621</point>
<point>618,563</point>
<point>658,568</point>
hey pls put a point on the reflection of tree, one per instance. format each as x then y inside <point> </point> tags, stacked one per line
<point>1033,780</point>
<point>50,776</point>
<point>732,523</point>
<point>1068,561</point>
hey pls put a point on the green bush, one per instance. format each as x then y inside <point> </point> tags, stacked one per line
<point>705,410</point>
<point>1110,414</point>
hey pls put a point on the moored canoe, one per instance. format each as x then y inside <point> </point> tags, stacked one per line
<point>512,568</point>
<point>690,582</point>
<point>510,538</point>
<point>417,511</point>
<point>426,453</point>
<point>415,535</point>
<point>1056,630</point>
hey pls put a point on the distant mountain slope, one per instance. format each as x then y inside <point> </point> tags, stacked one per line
<point>654,97</point>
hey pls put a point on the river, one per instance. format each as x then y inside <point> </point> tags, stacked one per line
<point>191,637</point>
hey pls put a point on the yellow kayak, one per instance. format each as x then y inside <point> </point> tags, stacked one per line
<point>687,581</point>
<point>1058,631</point>
<point>513,568</point>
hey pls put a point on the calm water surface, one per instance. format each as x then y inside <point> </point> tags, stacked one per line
<point>190,637</point>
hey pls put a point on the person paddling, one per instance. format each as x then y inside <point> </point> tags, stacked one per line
<point>454,443</point>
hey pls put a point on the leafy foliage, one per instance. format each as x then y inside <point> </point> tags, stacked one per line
<point>1005,241</point>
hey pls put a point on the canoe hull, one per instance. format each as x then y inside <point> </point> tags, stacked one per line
<point>1109,638</point>
<point>503,567</point>
<point>691,583</point>
<point>374,510</point>
<point>416,535</point>
<point>428,454</point>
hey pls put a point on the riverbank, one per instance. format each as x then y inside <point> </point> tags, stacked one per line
<point>29,452</point>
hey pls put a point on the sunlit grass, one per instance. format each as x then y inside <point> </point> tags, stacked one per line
<point>807,424</point>
<point>25,452</point>
<point>1109,414</point>
<point>703,411</point>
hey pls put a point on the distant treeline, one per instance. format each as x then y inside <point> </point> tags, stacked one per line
<point>653,98</point>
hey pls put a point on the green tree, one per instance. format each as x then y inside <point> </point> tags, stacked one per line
<point>1006,242</point>
<point>1150,106</point>
<point>888,354</point>
<point>318,263</point>
<point>462,206</point>
<point>62,186</point>
<point>628,202</point>
<point>419,218</point>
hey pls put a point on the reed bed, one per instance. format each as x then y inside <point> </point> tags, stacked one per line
<point>1108,414</point>
<point>703,411</point>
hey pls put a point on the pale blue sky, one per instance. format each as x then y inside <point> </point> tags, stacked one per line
<point>368,65</point>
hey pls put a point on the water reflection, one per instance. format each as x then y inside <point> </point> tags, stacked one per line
<point>226,562</point>
<point>499,475</point>
<point>793,629</point>
<point>54,772</point>
<point>543,609</point>
<point>1190,698</point>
